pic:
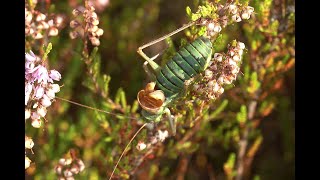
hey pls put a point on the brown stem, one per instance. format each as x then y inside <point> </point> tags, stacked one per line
<point>182,167</point>
<point>243,143</point>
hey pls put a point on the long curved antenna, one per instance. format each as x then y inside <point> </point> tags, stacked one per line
<point>115,167</point>
<point>95,109</point>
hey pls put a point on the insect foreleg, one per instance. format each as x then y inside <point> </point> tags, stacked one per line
<point>172,121</point>
<point>147,70</point>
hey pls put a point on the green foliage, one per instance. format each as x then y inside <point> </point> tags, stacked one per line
<point>257,109</point>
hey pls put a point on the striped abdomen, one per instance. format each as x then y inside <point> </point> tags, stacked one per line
<point>189,61</point>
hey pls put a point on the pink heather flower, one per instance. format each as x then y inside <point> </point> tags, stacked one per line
<point>41,74</point>
<point>28,88</point>
<point>27,113</point>
<point>50,93</point>
<point>27,92</point>
<point>27,162</point>
<point>42,111</point>
<point>28,142</point>
<point>55,87</point>
<point>35,116</point>
<point>36,123</point>
<point>26,99</point>
<point>29,66</point>
<point>55,75</point>
<point>45,101</point>
<point>39,92</point>
<point>31,57</point>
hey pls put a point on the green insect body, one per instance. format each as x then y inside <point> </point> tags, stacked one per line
<point>189,61</point>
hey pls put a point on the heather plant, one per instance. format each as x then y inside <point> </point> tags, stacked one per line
<point>88,100</point>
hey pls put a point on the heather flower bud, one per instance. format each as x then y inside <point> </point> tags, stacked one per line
<point>67,173</point>
<point>233,9</point>
<point>211,83</point>
<point>162,135</point>
<point>240,52</point>
<point>215,87</point>
<point>36,123</point>
<point>214,67</point>
<point>141,146</point>
<point>245,15</point>
<point>39,91</point>
<point>74,24</point>
<point>236,18</point>
<point>42,111</point>
<point>74,169</point>
<point>227,81</point>
<point>41,74</point>
<point>35,116</point>
<point>28,17</point>
<point>236,58</point>
<point>28,143</point>
<point>221,90</point>
<point>95,21</point>
<point>217,28</point>
<point>65,162</point>
<point>99,32</point>
<point>218,57</point>
<point>35,105</point>
<point>76,12</point>
<point>211,26</point>
<point>40,17</point>
<point>235,70</point>
<point>55,75</point>
<point>208,74</point>
<point>58,169</point>
<point>241,45</point>
<point>45,101</point>
<point>53,31</point>
<point>93,28</point>
<point>38,35</point>
<point>27,113</point>
<point>29,66</point>
<point>221,80</point>
<point>50,93</point>
<point>27,162</point>
<point>55,87</point>
<point>81,165</point>
<point>73,34</point>
<point>250,9</point>
<point>95,41</point>
<point>94,15</point>
<point>44,25</point>
<point>58,20</point>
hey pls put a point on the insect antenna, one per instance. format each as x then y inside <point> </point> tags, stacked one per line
<point>125,149</point>
<point>96,109</point>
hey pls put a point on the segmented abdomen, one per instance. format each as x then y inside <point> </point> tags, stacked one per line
<point>188,62</point>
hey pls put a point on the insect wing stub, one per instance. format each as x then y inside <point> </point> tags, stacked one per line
<point>189,61</point>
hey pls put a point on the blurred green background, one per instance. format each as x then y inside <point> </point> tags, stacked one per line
<point>212,152</point>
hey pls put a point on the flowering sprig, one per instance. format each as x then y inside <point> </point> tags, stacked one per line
<point>40,92</point>
<point>216,17</point>
<point>38,25</point>
<point>223,70</point>
<point>40,88</point>
<point>86,24</point>
<point>68,167</point>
